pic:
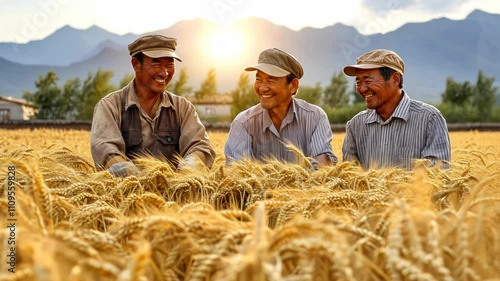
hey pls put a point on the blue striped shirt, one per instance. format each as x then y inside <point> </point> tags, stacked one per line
<point>415,130</point>
<point>253,135</point>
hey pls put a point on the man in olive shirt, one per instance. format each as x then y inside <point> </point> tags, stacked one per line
<point>145,119</point>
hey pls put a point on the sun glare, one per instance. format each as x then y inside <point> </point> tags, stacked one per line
<point>226,44</point>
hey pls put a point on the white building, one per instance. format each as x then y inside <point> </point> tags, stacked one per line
<point>213,109</point>
<point>15,109</point>
<point>218,106</point>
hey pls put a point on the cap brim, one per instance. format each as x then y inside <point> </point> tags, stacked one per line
<point>269,69</point>
<point>161,54</point>
<point>351,70</point>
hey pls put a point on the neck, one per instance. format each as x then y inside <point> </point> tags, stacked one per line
<point>278,114</point>
<point>145,95</point>
<point>387,111</point>
<point>147,99</point>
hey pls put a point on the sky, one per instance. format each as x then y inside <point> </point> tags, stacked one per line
<point>27,20</point>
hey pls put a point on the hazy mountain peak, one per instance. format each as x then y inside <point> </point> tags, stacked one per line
<point>253,20</point>
<point>192,22</point>
<point>433,51</point>
<point>68,32</point>
<point>478,14</point>
<point>483,17</point>
<point>95,28</point>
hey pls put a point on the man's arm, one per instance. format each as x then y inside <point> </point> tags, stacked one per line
<point>325,159</point>
<point>106,142</point>
<point>239,143</point>
<point>349,149</point>
<point>321,142</point>
<point>194,140</point>
<point>438,140</point>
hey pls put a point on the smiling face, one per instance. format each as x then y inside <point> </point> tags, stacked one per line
<point>153,74</point>
<point>274,93</point>
<point>381,95</point>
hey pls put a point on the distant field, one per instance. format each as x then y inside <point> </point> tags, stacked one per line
<point>65,221</point>
<point>78,140</point>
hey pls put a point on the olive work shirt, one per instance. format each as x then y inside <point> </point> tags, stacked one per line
<point>108,146</point>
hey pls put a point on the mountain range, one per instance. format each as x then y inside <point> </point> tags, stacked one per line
<point>432,51</point>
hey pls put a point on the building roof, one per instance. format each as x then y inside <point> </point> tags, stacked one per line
<point>17,101</point>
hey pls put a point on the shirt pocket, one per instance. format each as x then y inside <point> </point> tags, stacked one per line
<point>132,137</point>
<point>169,137</point>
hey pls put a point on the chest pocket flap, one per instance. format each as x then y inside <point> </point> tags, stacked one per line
<point>169,137</point>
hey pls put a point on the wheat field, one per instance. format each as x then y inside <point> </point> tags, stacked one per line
<point>251,221</point>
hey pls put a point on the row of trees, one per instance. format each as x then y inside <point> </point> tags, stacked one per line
<point>472,102</point>
<point>76,99</point>
<point>460,102</point>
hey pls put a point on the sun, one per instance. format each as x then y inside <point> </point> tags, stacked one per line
<point>226,43</point>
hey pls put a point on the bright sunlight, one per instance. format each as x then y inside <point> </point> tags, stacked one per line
<point>226,43</point>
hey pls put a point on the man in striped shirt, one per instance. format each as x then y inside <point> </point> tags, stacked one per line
<point>394,130</point>
<point>263,131</point>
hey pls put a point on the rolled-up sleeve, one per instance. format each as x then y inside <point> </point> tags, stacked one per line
<point>194,139</point>
<point>106,141</point>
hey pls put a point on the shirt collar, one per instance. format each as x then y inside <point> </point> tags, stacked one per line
<point>267,121</point>
<point>132,98</point>
<point>402,111</point>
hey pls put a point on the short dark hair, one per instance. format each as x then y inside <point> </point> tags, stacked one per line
<point>140,57</point>
<point>386,72</point>
<point>289,78</point>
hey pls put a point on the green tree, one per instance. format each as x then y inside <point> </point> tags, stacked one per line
<point>456,93</point>
<point>94,88</point>
<point>126,79</point>
<point>335,94</point>
<point>356,97</point>
<point>243,96</point>
<point>180,87</point>
<point>459,113</point>
<point>466,102</point>
<point>340,115</point>
<point>71,97</point>
<point>208,86</point>
<point>484,95</point>
<point>48,98</point>
<point>311,94</point>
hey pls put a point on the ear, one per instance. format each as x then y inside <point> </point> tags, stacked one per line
<point>397,78</point>
<point>135,64</point>
<point>294,85</point>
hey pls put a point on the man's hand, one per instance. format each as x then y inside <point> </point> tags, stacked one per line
<point>123,169</point>
<point>190,162</point>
